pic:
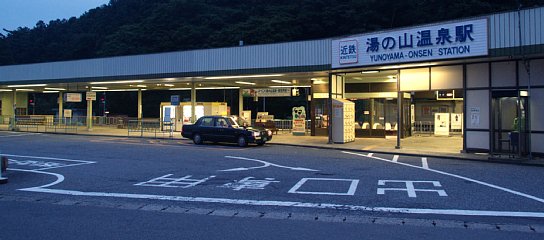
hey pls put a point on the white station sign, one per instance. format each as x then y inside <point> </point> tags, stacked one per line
<point>424,43</point>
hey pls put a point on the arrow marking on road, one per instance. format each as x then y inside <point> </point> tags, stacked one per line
<point>265,164</point>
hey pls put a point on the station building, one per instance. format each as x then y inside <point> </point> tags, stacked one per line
<point>479,79</point>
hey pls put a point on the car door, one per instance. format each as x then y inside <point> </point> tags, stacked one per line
<point>206,128</point>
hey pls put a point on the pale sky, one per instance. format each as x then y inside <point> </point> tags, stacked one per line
<point>26,13</point>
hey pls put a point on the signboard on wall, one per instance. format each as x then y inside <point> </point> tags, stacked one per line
<point>456,121</point>
<point>90,96</point>
<point>299,120</point>
<point>267,92</point>
<point>424,43</point>
<point>72,97</point>
<point>475,117</point>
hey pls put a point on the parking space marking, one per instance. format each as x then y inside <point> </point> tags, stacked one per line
<point>410,188</point>
<point>424,163</point>
<point>265,164</point>
<point>167,181</point>
<point>455,176</point>
<point>43,164</point>
<point>459,212</point>
<point>395,158</point>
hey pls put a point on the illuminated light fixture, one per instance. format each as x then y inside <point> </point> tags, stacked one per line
<point>169,85</point>
<point>24,90</point>
<point>245,76</point>
<point>169,79</point>
<point>28,85</point>
<point>409,66</point>
<point>392,77</point>
<point>523,93</point>
<point>142,86</point>
<point>50,91</point>
<point>370,71</point>
<point>280,81</point>
<point>283,86</point>
<point>120,90</point>
<point>118,82</point>
<point>55,89</point>
<point>99,88</point>
<point>6,90</point>
<point>213,88</point>
<point>245,83</point>
<point>178,89</point>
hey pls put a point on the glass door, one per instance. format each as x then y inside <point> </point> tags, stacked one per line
<point>370,117</point>
<point>509,129</point>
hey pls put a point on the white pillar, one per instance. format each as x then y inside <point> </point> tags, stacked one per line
<point>61,105</point>
<point>140,114</point>
<point>240,103</point>
<point>193,103</point>
<point>89,115</point>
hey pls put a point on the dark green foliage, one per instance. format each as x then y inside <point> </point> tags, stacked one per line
<point>125,27</point>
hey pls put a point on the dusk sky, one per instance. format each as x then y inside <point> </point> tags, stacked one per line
<point>25,13</point>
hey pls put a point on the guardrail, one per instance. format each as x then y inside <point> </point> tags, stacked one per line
<point>48,124</point>
<point>146,126</point>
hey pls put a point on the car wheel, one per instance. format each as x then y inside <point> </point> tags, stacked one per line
<point>242,141</point>
<point>197,139</point>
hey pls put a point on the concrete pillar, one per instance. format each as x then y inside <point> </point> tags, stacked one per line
<point>61,106</point>
<point>193,103</point>
<point>240,102</point>
<point>14,102</point>
<point>400,124</point>
<point>140,114</point>
<point>89,115</point>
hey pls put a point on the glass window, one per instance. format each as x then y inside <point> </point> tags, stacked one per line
<point>221,122</point>
<point>207,122</point>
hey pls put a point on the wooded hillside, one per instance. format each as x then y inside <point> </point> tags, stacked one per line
<point>125,27</point>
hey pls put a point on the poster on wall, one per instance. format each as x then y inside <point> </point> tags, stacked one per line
<point>475,117</point>
<point>441,124</point>
<point>456,121</point>
<point>299,120</point>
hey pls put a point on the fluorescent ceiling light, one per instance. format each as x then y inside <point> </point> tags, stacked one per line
<point>280,81</point>
<point>28,85</point>
<point>24,90</point>
<point>245,76</point>
<point>99,87</point>
<point>55,89</point>
<point>50,91</point>
<point>178,89</point>
<point>245,83</point>
<point>6,90</point>
<point>370,71</point>
<point>142,86</point>
<point>117,82</point>
<point>169,85</point>
<point>119,90</point>
<point>213,88</point>
<point>392,77</point>
<point>409,66</point>
<point>283,86</point>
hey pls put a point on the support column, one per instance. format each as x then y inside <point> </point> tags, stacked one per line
<point>400,124</point>
<point>89,115</point>
<point>14,102</point>
<point>240,103</point>
<point>330,108</point>
<point>60,101</point>
<point>140,114</point>
<point>193,103</point>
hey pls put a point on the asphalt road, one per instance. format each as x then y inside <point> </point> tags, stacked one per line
<point>81,187</point>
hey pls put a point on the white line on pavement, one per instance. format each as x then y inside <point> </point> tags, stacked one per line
<point>20,135</point>
<point>424,163</point>
<point>265,164</point>
<point>456,176</point>
<point>60,178</point>
<point>395,158</point>
<point>49,158</point>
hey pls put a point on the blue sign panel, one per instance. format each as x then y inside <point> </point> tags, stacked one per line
<point>174,100</point>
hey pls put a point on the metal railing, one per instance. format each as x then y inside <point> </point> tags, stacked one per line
<point>48,124</point>
<point>147,126</point>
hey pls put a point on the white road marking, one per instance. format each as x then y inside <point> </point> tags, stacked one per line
<point>395,158</point>
<point>60,178</point>
<point>371,154</point>
<point>47,165</point>
<point>424,163</point>
<point>457,176</point>
<point>19,135</point>
<point>350,192</point>
<point>266,164</point>
<point>410,188</point>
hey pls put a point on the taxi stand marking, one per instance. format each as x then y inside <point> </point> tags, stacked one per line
<point>45,165</point>
<point>265,164</point>
<point>350,192</point>
<point>250,183</point>
<point>165,181</point>
<point>410,188</point>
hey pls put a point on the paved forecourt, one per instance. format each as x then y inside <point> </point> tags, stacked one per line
<point>174,173</point>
